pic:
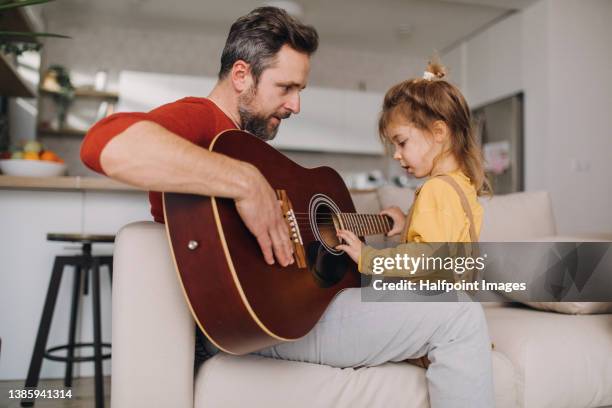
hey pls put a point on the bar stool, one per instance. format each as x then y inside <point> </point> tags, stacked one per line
<point>83,264</point>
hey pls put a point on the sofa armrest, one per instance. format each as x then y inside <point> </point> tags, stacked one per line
<point>588,236</point>
<point>153,331</point>
<point>574,237</point>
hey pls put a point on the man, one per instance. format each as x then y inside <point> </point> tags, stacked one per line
<point>264,66</point>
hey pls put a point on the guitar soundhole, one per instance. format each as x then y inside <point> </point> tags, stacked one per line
<point>325,225</point>
<point>327,264</point>
<point>322,211</point>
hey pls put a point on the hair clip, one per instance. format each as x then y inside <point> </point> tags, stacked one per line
<point>429,76</point>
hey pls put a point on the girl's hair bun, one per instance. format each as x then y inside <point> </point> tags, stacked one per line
<point>435,69</point>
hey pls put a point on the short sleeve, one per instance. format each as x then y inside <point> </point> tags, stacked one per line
<point>190,118</point>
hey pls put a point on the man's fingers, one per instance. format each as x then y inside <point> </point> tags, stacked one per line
<point>286,238</point>
<point>282,231</point>
<point>266,247</point>
<point>261,212</point>
<point>280,244</point>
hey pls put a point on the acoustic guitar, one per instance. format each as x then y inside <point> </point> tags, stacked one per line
<point>241,303</point>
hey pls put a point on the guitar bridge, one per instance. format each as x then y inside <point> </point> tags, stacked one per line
<point>294,229</point>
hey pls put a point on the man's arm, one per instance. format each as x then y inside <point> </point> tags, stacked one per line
<point>150,157</point>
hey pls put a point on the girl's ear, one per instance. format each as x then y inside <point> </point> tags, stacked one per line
<point>440,131</point>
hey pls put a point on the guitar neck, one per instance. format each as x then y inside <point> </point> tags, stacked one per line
<point>365,224</point>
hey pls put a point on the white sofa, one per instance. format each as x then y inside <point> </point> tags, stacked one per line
<point>541,359</point>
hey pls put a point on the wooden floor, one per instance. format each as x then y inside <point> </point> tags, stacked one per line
<point>82,393</point>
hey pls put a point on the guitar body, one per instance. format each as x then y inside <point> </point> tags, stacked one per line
<point>241,303</point>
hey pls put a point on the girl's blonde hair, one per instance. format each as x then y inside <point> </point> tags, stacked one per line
<point>421,102</point>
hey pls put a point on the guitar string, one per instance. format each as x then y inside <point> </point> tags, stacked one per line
<point>331,216</point>
<point>321,221</point>
<point>307,223</point>
<point>326,222</point>
<point>331,223</point>
<point>349,214</point>
<point>307,231</point>
<point>327,217</point>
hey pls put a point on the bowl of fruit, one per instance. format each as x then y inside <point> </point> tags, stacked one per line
<point>32,161</point>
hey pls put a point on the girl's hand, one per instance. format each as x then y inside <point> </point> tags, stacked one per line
<point>352,244</point>
<point>399,220</point>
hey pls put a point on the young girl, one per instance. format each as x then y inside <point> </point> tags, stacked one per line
<point>427,120</point>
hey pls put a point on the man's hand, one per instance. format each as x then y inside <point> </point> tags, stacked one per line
<point>352,244</point>
<point>260,211</point>
<point>399,220</point>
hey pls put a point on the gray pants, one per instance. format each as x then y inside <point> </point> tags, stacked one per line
<point>453,335</point>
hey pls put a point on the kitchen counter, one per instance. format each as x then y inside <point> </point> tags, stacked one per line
<point>31,208</point>
<point>81,183</point>
<point>63,183</point>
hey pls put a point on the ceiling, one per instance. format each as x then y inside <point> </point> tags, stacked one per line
<point>409,27</point>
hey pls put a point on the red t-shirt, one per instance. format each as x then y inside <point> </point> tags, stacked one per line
<point>196,119</point>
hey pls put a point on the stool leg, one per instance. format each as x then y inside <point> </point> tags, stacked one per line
<point>43,329</point>
<point>76,296</point>
<point>108,262</point>
<point>86,283</point>
<point>110,270</point>
<point>95,282</point>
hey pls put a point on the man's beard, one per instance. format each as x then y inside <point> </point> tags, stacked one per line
<point>255,122</point>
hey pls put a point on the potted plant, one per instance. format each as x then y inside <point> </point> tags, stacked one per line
<point>18,42</point>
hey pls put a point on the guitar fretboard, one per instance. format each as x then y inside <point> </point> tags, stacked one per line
<point>365,224</point>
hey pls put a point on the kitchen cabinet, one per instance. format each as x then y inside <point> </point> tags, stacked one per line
<point>330,120</point>
<point>27,214</point>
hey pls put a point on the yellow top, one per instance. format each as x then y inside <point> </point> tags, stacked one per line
<point>438,217</point>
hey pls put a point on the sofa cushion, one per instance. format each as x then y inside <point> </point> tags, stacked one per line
<point>366,201</point>
<point>228,381</point>
<point>509,217</point>
<point>401,197</point>
<point>517,217</point>
<point>544,264</point>
<point>576,307</point>
<point>562,360</point>
<point>573,307</point>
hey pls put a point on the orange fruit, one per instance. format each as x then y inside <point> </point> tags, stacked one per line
<point>31,156</point>
<point>48,155</point>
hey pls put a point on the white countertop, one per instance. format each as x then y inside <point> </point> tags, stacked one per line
<point>63,183</point>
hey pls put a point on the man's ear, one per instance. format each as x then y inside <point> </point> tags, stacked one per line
<point>440,131</point>
<point>240,76</point>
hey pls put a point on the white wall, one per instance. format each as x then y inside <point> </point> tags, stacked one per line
<point>115,48</point>
<point>491,61</point>
<point>556,52</point>
<point>580,121</point>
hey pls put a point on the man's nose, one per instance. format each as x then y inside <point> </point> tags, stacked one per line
<point>293,104</point>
